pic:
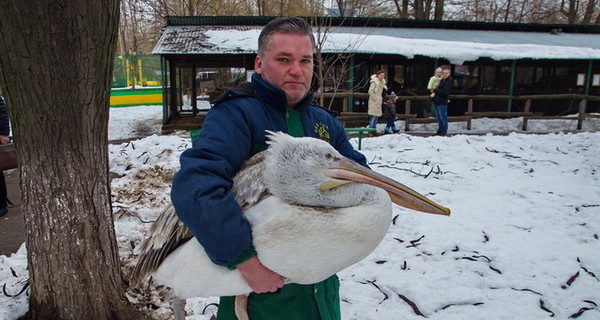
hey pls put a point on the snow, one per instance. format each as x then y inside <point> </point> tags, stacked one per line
<point>458,45</point>
<point>522,241</point>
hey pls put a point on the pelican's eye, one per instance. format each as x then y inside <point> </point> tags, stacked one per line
<point>329,156</point>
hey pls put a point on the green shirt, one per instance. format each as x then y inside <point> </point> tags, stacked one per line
<point>293,301</point>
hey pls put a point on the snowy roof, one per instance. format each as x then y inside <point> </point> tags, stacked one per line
<point>455,45</point>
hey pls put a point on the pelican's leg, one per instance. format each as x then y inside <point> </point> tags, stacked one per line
<point>178,307</point>
<point>241,307</point>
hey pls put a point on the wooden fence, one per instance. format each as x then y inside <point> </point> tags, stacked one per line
<point>353,118</point>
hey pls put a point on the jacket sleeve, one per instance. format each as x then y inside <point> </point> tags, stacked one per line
<point>430,83</point>
<point>201,192</point>
<point>4,122</point>
<point>373,88</point>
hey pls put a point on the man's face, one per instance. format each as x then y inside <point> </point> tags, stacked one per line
<point>446,73</point>
<point>288,63</point>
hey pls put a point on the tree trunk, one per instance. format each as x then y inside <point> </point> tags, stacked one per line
<point>56,66</point>
<point>439,10</point>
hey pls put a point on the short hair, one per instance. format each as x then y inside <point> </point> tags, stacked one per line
<point>379,71</point>
<point>286,25</point>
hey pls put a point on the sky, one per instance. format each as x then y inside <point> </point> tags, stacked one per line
<point>522,241</point>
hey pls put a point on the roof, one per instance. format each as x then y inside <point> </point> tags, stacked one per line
<point>456,42</point>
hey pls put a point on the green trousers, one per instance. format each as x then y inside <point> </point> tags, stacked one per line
<point>292,302</point>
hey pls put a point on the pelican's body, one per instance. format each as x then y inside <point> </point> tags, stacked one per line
<point>303,244</point>
<point>309,219</point>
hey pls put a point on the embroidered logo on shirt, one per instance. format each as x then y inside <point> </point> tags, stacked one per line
<point>321,130</point>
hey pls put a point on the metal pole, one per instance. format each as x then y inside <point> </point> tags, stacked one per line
<point>351,84</point>
<point>163,76</point>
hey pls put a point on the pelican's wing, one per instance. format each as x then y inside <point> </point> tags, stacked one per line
<point>249,185</point>
<point>167,233</point>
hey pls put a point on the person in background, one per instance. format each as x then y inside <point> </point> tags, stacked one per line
<point>376,91</point>
<point>4,138</point>
<point>276,99</point>
<point>433,83</point>
<point>440,100</point>
<point>389,106</point>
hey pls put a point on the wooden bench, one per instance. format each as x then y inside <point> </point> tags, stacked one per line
<point>408,122</point>
<point>360,132</point>
<point>352,119</point>
<point>498,114</point>
<point>526,120</point>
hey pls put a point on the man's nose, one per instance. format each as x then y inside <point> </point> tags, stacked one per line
<point>296,69</point>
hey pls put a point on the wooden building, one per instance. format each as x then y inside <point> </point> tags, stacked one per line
<point>550,70</point>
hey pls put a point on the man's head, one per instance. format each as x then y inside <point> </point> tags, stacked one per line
<point>446,73</point>
<point>285,56</point>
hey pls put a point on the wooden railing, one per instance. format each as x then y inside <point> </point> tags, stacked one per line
<point>527,114</point>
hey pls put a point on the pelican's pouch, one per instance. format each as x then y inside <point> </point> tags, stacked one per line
<point>8,156</point>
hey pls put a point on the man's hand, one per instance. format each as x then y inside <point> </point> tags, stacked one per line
<point>4,139</point>
<point>259,277</point>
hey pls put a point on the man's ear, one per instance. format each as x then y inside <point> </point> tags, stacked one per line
<point>258,64</point>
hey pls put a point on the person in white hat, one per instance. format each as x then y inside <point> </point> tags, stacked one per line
<point>433,83</point>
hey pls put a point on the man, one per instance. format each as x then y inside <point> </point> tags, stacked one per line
<point>440,100</point>
<point>277,99</point>
<point>4,138</point>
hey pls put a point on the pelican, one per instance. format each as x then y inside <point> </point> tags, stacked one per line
<point>313,212</point>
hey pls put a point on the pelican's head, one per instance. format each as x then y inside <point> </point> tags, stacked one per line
<point>310,172</point>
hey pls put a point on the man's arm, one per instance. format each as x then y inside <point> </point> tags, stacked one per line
<point>4,123</point>
<point>201,191</point>
<point>203,199</point>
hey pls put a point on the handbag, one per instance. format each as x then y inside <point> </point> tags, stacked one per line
<point>8,156</point>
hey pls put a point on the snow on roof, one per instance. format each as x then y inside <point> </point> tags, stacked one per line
<point>457,46</point>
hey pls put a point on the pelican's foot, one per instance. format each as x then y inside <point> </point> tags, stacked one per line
<point>241,307</point>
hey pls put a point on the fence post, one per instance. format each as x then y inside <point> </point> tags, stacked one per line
<point>581,115</point>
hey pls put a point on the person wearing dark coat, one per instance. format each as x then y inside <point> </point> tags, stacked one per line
<point>277,99</point>
<point>4,132</point>
<point>440,100</point>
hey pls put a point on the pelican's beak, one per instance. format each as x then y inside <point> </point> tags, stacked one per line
<point>346,171</point>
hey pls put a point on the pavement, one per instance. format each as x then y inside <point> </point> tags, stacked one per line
<point>12,225</point>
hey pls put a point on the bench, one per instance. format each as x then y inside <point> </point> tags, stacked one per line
<point>352,119</point>
<point>360,132</point>
<point>526,120</point>
<point>498,114</point>
<point>410,121</point>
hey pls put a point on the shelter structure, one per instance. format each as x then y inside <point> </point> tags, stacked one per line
<point>550,70</point>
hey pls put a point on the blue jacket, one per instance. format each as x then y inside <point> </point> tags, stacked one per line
<point>234,130</point>
<point>4,125</point>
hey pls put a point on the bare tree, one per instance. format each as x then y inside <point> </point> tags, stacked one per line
<point>332,68</point>
<point>55,66</point>
<point>590,10</point>
<point>570,10</point>
<point>439,10</point>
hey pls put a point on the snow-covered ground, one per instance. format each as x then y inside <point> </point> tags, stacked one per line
<point>522,241</point>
